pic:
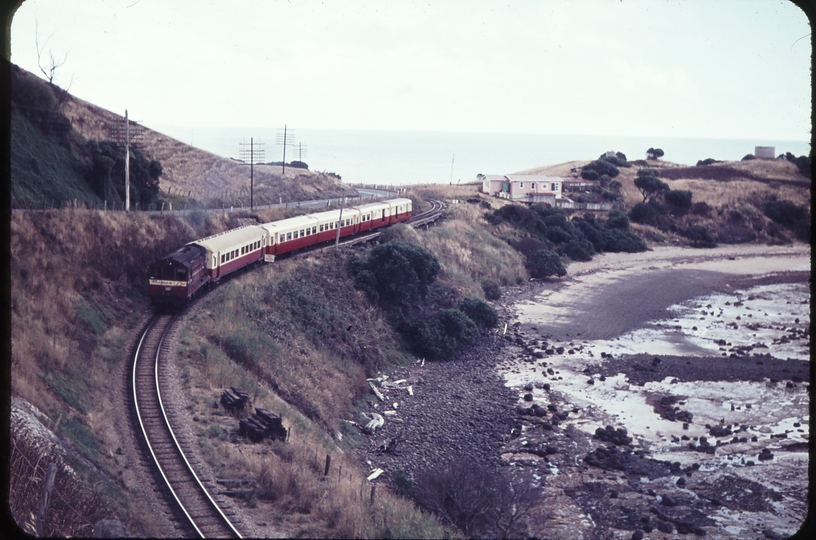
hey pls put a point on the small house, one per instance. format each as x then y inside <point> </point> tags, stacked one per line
<point>530,188</point>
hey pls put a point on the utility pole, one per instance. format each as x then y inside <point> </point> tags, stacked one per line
<point>285,139</point>
<point>243,156</point>
<point>340,222</point>
<point>452,158</point>
<point>127,163</point>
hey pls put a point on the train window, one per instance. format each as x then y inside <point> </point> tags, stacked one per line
<point>288,236</point>
<point>321,227</point>
<point>301,233</point>
<point>296,235</point>
<point>222,259</point>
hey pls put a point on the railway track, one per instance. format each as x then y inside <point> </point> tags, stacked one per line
<point>198,513</point>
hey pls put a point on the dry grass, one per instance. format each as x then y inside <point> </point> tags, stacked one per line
<point>191,172</point>
<point>469,252</point>
<point>287,478</point>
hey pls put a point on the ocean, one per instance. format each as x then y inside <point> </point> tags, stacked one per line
<point>410,157</point>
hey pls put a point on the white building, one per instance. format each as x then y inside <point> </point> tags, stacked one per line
<point>523,187</point>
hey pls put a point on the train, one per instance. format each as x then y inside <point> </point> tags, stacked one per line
<point>177,278</point>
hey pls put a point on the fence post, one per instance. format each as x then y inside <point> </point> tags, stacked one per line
<point>46,498</point>
<point>328,465</point>
<point>373,491</point>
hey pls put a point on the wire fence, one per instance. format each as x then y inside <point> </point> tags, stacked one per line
<point>28,491</point>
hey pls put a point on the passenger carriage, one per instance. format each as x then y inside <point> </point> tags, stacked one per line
<point>232,250</point>
<point>176,278</point>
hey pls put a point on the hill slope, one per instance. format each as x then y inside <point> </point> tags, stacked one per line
<point>49,158</point>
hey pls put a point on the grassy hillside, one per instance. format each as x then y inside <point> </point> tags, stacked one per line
<point>44,164</point>
<point>728,198</point>
<point>50,158</point>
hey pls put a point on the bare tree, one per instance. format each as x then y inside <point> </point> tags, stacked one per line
<point>50,66</point>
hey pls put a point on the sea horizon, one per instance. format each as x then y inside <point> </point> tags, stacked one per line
<point>388,157</point>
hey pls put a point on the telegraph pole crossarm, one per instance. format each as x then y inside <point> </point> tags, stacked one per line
<point>255,156</point>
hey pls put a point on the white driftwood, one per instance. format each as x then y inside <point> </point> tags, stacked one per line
<point>374,474</point>
<point>376,392</point>
<point>389,413</point>
<point>411,389</point>
<point>378,421</point>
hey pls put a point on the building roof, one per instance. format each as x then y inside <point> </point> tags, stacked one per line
<point>231,239</point>
<point>532,178</point>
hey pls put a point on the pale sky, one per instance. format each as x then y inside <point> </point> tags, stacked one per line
<point>734,69</point>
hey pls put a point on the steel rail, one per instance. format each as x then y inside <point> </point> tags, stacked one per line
<point>177,445</point>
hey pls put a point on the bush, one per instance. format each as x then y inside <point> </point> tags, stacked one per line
<point>578,250</point>
<point>528,246</point>
<point>601,166</point>
<point>591,231</point>
<point>680,199</point>
<point>707,161</point>
<point>617,220</point>
<point>793,217</point>
<point>701,209</point>
<point>395,272</point>
<point>492,290</point>
<point>589,174</point>
<point>651,213</point>
<point>436,338</point>
<point>615,186</point>
<point>699,236</point>
<point>545,263</point>
<point>802,163</point>
<point>477,499</point>
<point>479,311</point>
<point>748,157</point>
<point>458,327</point>
<point>616,241</point>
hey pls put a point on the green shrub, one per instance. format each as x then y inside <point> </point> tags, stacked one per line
<point>578,250</point>
<point>793,217</point>
<point>589,174</point>
<point>492,290</point>
<point>617,220</point>
<point>707,161</point>
<point>616,241</point>
<point>679,199</point>
<point>699,236</point>
<point>602,166</point>
<point>458,326</point>
<point>545,263</point>
<point>479,311</point>
<point>395,272</point>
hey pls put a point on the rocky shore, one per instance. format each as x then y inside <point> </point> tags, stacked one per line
<point>522,401</point>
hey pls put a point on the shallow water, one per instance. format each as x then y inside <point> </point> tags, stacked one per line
<point>764,320</point>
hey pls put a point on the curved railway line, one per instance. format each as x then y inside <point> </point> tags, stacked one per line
<point>203,516</point>
<point>199,513</point>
